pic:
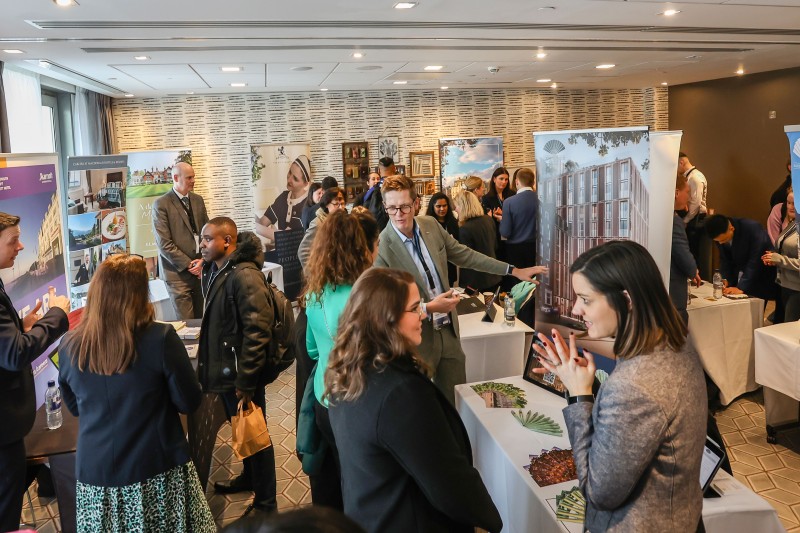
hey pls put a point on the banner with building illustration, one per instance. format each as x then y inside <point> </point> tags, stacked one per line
<point>96,217</point>
<point>595,186</point>
<point>793,133</point>
<point>29,189</point>
<point>149,175</point>
<point>463,157</point>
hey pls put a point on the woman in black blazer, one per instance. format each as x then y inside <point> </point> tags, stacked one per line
<point>127,378</point>
<point>439,208</point>
<point>476,231</point>
<point>405,454</point>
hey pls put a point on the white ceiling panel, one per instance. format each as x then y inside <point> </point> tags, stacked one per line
<point>385,67</point>
<point>164,77</point>
<point>447,66</point>
<point>222,80</point>
<point>216,68</point>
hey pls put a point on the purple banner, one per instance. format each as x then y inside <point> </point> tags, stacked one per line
<point>24,181</point>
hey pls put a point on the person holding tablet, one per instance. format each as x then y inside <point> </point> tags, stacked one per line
<point>639,444</point>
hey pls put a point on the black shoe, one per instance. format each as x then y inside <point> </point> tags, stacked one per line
<point>238,484</point>
<point>253,512</point>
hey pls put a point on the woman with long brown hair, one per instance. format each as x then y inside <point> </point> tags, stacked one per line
<point>127,377</point>
<point>345,246</point>
<point>405,454</point>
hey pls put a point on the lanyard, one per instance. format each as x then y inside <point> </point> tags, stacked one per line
<point>418,251</point>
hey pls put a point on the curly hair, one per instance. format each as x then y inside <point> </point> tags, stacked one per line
<point>368,333</point>
<point>339,254</point>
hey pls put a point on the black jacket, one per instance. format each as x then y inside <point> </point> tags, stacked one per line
<point>479,233</point>
<point>406,459</point>
<point>237,321</point>
<point>743,256</point>
<point>682,266</point>
<point>17,352</point>
<point>375,205</point>
<point>129,428</point>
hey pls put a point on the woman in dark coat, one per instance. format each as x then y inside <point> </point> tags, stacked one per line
<point>440,208</point>
<point>499,190</point>
<point>405,454</point>
<point>476,231</point>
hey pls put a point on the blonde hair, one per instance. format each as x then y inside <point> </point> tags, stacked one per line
<point>468,206</point>
<point>472,183</point>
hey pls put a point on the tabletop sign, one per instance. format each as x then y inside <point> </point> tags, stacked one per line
<point>285,254</point>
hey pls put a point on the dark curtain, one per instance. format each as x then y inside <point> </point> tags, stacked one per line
<point>104,125</point>
<point>5,139</point>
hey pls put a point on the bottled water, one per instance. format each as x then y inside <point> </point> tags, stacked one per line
<point>509,311</point>
<point>52,404</point>
<point>717,285</point>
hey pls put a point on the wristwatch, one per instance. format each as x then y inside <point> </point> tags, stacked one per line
<point>580,398</point>
<point>510,269</point>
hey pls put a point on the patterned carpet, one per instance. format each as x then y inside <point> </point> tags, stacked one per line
<point>773,471</point>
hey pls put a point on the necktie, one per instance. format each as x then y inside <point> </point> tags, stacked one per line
<point>188,207</point>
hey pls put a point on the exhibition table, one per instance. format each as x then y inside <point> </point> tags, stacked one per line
<point>493,349</point>
<point>778,370</point>
<point>721,332</point>
<point>501,449</point>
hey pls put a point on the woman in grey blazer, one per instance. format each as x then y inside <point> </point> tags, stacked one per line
<point>638,445</point>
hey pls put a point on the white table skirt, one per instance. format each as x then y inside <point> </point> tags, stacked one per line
<point>500,449</point>
<point>778,369</point>
<point>722,333</point>
<point>492,349</point>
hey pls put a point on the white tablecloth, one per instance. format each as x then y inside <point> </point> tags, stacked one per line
<point>722,333</point>
<point>492,349</point>
<point>277,273</point>
<point>501,446</point>
<point>778,369</point>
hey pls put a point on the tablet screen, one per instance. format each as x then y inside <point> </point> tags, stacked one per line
<point>712,459</point>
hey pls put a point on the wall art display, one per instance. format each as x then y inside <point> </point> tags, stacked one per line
<point>552,466</point>
<point>422,164</point>
<point>569,507</point>
<point>595,186</point>
<point>270,165</point>
<point>355,164</point>
<point>476,156</point>
<point>538,422</point>
<point>389,147</point>
<point>149,176</point>
<point>793,134</point>
<point>29,189</point>
<point>500,394</point>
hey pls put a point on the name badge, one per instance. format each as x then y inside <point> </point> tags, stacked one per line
<point>440,320</point>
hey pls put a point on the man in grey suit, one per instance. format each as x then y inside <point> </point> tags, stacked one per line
<point>178,217</point>
<point>420,246</point>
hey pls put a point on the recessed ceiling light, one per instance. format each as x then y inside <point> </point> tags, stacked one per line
<point>670,12</point>
<point>434,67</point>
<point>301,69</point>
<point>541,55</point>
<point>444,87</point>
<point>65,3</point>
<point>128,95</point>
<point>400,82</point>
<point>141,58</point>
<point>230,69</point>
<point>190,92</point>
<point>740,71</point>
<point>358,55</point>
<point>13,51</point>
<point>44,64</point>
<point>238,84</point>
<point>554,86</point>
<point>405,5</point>
<point>544,80</point>
<point>664,83</point>
<point>605,66</point>
<point>324,89</point>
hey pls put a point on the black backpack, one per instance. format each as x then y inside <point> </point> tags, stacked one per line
<point>281,352</point>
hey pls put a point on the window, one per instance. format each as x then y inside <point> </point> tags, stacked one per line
<point>623,219</point>
<point>608,194</point>
<point>595,178</point>
<point>569,190</point>
<point>624,179</point>
<point>581,188</point>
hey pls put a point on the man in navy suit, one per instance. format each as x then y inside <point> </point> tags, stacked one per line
<point>21,341</point>
<point>741,243</point>
<point>518,225</point>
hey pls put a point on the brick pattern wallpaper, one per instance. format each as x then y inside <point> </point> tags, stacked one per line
<point>220,128</point>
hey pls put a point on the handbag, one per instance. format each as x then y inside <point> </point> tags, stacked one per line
<point>310,443</point>
<point>249,430</point>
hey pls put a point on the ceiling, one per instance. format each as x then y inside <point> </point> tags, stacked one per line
<point>308,45</point>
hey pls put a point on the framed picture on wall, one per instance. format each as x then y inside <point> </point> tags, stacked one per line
<point>422,164</point>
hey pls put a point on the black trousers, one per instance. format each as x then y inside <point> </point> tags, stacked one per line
<point>260,467</point>
<point>12,484</point>
<point>326,486</point>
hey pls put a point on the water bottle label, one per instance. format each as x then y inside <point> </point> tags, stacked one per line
<point>55,404</point>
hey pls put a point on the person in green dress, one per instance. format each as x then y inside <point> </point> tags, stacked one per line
<point>127,377</point>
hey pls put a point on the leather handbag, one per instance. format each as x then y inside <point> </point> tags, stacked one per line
<point>249,430</point>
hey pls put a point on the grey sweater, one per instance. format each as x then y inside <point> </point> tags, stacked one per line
<point>786,258</point>
<point>638,449</point>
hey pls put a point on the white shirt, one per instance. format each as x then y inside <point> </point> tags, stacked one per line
<point>409,244</point>
<point>698,188</point>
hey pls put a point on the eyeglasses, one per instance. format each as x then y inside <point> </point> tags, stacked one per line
<point>418,310</point>
<point>337,204</point>
<point>392,209</point>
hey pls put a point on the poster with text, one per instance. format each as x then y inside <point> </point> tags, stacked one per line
<point>29,190</point>
<point>596,186</point>
<point>270,166</point>
<point>463,157</point>
<point>149,176</point>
